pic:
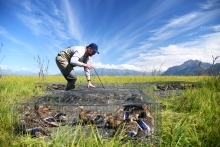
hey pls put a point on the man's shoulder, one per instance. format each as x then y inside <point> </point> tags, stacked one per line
<point>78,47</point>
<point>79,50</point>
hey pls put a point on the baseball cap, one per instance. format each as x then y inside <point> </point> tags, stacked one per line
<point>94,47</point>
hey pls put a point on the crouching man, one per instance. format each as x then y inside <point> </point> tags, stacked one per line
<point>76,56</point>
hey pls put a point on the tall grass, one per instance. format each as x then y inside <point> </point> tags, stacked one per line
<point>191,119</point>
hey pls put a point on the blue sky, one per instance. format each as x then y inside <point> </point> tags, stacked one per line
<point>131,34</point>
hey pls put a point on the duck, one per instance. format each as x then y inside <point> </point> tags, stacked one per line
<point>90,116</point>
<point>128,129</point>
<point>138,127</point>
<point>133,109</point>
<point>147,114</point>
<point>32,124</point>
<point>51,122</point>
<point>112,122</point>
<point>132,127</point>
<point>146,128</point>
<point>145,122</point>
<point>37,132</point>
<point>44,112</point>
<point>56,114</point>
<point>59,116</point>
<point>122,115</point>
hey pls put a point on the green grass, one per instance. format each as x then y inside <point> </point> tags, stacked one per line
<point>189,120</point>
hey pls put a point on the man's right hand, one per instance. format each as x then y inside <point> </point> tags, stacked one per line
<point>89,66</point>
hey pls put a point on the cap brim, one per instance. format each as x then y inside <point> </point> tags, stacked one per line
<point>96,52</point>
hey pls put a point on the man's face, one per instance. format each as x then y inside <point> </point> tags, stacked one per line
<point>91,52</point>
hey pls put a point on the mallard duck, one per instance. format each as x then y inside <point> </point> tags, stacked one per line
<point>121,114</point>
<point>31,118</point>
<point>48,111</point>
<point>132,127</point>
<point>44,112</point>
<point>147,114</point>
<point>145,126</point>
<point>51,122</point>
<point>59,116</point>
<point>42,107</point>
<point>90,116</point>
<point>111,121</point>
<point>133,109</point>
<point>33,125</point>
<point>145,122</point>
<point>37,132</point>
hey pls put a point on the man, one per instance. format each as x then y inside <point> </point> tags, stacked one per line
<point>76,56</point>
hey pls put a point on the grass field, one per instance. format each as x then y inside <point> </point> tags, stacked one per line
<point>192,119</point>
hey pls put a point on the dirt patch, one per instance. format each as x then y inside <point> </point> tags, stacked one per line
<point>175,86</point>
<point>51,86</point>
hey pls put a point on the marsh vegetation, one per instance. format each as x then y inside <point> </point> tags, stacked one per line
<point>188,119</point>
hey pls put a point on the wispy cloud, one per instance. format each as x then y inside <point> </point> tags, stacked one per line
<point>175,27</point>
<point>17,52</point>
<point>184,23</point>
<point>209,4</point>
<point>128,31</point>
<point>35,25</point>
<point>213,27</point>
<point>72,21</point>
<point>26,5</point>
<point>139,36</point>
<point>3,32</point>
<point>191,34</point>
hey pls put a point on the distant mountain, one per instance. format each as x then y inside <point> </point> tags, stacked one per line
<point>191,67</point>
<point>113,72</point>
<point>100,72</point>
<point>117,72</point>
<point>20,72</point>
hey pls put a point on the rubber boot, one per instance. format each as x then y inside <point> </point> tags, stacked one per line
<point>70,85</point>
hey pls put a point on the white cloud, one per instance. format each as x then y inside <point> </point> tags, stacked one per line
<point>14,68</point>
<point>121,66</point>
<point>4,67</point>
<point>175,54</point>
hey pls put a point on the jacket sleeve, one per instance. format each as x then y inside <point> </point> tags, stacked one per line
<point>77,54</point>
<point>87,70</point>
<point>75,61</point>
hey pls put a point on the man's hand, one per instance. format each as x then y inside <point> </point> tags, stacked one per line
<point>90,85</point>
<point>89,66</point>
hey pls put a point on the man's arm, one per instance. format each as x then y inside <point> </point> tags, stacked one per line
<point>75,62</point>
<point>87,74</point>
